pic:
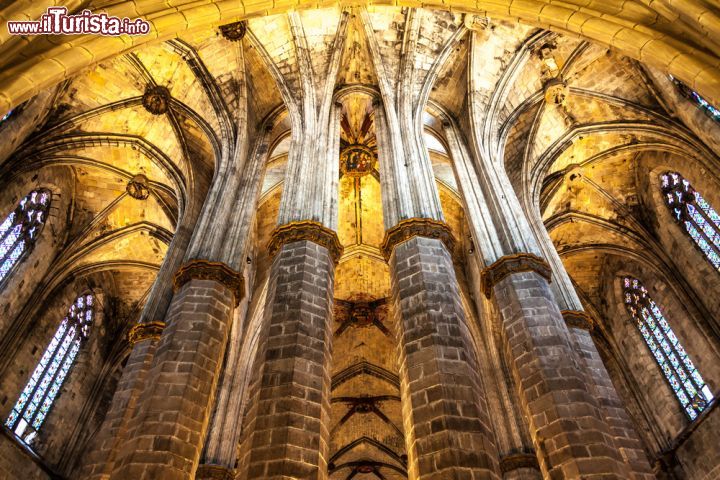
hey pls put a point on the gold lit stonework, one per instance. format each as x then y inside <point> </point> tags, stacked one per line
<point>417,227</point>
<point>216,271</point>
<point>578,319</point>
<point>357,161</point>
<point>137,187</point>
<point>306,230</point>
<point>556,91</point>
<point>234,31</point>
<point>156,99</point>
<point>145,331</point>
<point>509,264</point>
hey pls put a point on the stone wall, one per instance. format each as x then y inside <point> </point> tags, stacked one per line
<point>696,453</point>
<point>16,463</point>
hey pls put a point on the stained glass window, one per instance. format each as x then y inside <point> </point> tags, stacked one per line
<point>21,228</point>
<point>694,213</point>
<point>687,92</point>
<point>36,399</point>
<point>684,379</point>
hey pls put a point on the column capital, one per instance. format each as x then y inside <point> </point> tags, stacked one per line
<point>578,319</point>
<point>417,227</point>
<point>208,471</point>
<point>216,271</point>
<point>306,230</point>
<point>509,264</point>
<point>145,331</point>
<point>514,461</point>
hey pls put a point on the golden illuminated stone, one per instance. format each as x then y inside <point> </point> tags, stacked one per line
<point>306,230</point>
<point>509,264</point>
<point>145,331</point>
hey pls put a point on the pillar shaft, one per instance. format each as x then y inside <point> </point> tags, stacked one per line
<point>166,433</point>
<point>622,430</point>
<point>100,460</point>
<point>444,408</point>
<point>571,437</point>
<point>287,422</point>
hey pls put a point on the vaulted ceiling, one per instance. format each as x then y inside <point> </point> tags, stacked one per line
<point>577,164</point>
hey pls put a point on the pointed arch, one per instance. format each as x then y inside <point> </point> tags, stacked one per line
<point>38,396</point>
<point>20,230</point>
<point>684,379</point>
<point>700,221</point>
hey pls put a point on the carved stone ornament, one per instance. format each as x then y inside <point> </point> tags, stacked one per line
<point>234,31</point>
<point>208,471</point>
<point>156,99</point>
<point>417,227</point>
<point>216,271</point>
<point>556,91</point>
<point>306,230</point>
<point>476,23</point>
<point>515,461</point>
<point>137,187</point>
<point>357,161</point>
<point>578,319</point>
<point>145,331</point>
<point>509,264</point>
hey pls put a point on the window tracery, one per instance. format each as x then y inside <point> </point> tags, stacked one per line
<point>694,213</point>
<point>687,92</point>
<point>686,382</point>
<point>38,396</point>
<point>20,229</point>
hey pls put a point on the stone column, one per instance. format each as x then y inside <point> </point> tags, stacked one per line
<point>627,441</point>
<point>286,434</point>
<point>287,422</point>
<point>445,415</point>
<point>99,461</point>
<point>166,433</point>
<point>571,437</point>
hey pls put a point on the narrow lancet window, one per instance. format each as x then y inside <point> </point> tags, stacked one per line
<point>694,213</point>
<point>20,230</point>
<point>687,92</point>
<point>37,397</point>
<point>684,379</point>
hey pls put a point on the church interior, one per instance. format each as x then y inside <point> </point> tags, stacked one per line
<point>359,241</point>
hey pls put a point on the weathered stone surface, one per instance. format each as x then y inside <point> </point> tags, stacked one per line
<point>100,460</point>
<point>600,385</point>
<point>572,439</point>
<point>165,435</point>
<point>447,428</point>
<point>286,434</point>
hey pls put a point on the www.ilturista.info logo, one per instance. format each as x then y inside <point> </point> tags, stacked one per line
<point>56,21</point>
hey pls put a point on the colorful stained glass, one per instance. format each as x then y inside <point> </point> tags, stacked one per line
<point>710,110</point>
<point>694,213</point>
<point>686,382</point>
<point>36,399</point>
<point>21,228</point>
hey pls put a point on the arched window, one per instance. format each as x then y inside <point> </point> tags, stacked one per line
<point>696,215</point>
<point>39,394</point>
<point>21,228</point>
<point>680,372</point>
<point>687,92</point>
